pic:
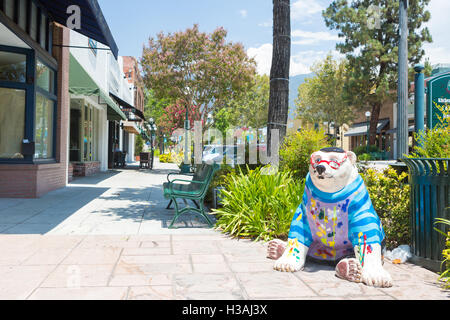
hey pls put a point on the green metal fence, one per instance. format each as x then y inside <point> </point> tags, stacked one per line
<point>430,199</point>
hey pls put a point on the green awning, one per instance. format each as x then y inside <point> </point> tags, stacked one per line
<point>81,83</point>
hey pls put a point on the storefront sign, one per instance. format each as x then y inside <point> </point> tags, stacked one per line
<point>438,94</point>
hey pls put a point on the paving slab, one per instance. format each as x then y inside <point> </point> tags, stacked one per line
<point>107,237</point>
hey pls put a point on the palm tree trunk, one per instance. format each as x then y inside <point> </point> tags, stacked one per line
<point>279,74</point>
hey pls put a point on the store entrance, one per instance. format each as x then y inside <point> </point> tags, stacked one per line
<point>75,135</point>
<point>113,141</point>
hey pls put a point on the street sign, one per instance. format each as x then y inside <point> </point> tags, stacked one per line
<point>438,92</point>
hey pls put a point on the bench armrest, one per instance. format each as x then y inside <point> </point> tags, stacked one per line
<point>179,174</point>
<point>189,181</point>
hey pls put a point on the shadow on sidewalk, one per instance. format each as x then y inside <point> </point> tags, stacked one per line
<point>94,179</point>
<point>40,216</point>
<point>94,204</point>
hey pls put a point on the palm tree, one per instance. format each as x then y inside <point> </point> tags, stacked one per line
<point>279,74</point>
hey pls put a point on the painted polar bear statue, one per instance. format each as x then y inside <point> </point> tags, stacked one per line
<point>336,220</point>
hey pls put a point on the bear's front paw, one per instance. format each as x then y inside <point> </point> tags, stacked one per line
<point>275,249</point>
<point>289,264</point>
<point>376,277</point>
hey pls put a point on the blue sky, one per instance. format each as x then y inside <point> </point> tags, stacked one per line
<point>132,22</point>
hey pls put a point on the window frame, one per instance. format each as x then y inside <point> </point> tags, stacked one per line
<point>92,129</point>
<point>28,87</point>
<point>52,96</point>
<point>31,90</point>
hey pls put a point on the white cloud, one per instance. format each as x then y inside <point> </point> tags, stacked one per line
<point>301,61</point>
<point>309,37</point>
<point>438,50</point>
<point>243,13</point>
<point>266,24</point>
<point>437,54</point>
<point>263,57</point>
<point>305,8</point>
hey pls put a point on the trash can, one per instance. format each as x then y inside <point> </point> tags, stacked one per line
<point>430,199</point>
<point>217,201</point>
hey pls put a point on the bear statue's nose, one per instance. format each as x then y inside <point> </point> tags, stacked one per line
<point>321,169</point>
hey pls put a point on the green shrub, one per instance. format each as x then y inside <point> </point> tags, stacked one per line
<point>218,180</point>
<point>365,157</point>
<point>138,145</point>
<point>445,275</point>
<point>434,143</point>
<point>257,205</point>
<point>297,149</point>
<point>390,195</point>
<point>166,158</point>
<point>363,150</point>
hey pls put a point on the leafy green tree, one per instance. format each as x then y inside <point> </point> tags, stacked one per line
<point>297,149</point>
<point>224,119</point>
<point>155,108</point>
<point>139,145</point>
<point>197,68</point>
<point>254,107</point>
<point>427,71</point>
<point>321,98</point>
<point>372,48</point>
<point>251,107</point>
<point>434,143</point>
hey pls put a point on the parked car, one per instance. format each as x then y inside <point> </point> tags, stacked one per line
<point>220,154</point>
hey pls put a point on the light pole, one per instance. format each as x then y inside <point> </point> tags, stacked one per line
<point>164,144</point>
<point>209,121</point>
<point>419,100</point>
<point>368,114</point>
<point>152,127</point>
<point>186,167</point>
<point>402,99</point>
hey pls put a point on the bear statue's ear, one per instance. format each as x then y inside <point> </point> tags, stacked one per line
<point>352,156</point>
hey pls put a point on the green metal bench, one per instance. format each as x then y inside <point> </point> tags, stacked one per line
<point>194,190</point>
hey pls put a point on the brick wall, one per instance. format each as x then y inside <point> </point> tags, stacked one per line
<point>135,79</point>
<point>70,173</point>
<point>386,112</point>
<point>35,180</point>
<point>31,181</point>
<point>85,169</point>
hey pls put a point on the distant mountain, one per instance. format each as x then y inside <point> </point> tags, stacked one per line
<point>294,83</point>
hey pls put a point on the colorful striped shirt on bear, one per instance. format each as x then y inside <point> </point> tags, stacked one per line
<point>331,224</point>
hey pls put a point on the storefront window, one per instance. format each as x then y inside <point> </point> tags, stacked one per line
<point>89,136</point>
<point>33,22</point>
<point>43,30</point>
<point>45,107</point>
<point>45,77</point>
<point>9,8</point>
<point>12,123</point>
<point>44,128</point>
<point>23,14</point>
<point>13,67</point>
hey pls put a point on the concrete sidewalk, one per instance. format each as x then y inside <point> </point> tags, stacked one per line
<point>106,237</point>
<point>178,267</point>
<point>118,202</point>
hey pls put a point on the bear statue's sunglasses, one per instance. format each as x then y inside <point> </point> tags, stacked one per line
<point>333,164</point>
